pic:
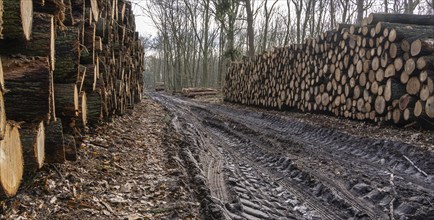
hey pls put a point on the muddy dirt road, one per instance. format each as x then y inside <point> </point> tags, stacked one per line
<point>258,165</point>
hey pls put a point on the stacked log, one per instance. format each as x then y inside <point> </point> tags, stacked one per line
<point>378,71</point>
<point>193,92</point>
<point>65,66</point>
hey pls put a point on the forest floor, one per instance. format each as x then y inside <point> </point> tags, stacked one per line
<point>179,158</point>
<point>126,169</point>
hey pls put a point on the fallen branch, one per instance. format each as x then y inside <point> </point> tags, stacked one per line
<point>414,165</point>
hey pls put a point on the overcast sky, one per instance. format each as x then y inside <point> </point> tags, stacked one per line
<point>144,24</point>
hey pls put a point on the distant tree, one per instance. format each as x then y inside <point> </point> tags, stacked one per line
<point>360,11</point>
<point>250,29</point>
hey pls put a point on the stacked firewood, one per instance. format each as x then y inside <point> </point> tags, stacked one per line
<point>193,92</point>
<point>381,70</point>
<point>65,65</point>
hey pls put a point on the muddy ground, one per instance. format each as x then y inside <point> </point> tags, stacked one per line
<point>262,164</point>
<point>178,158</point>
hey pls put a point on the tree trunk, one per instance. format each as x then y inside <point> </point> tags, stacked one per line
<point>386,8</point>
<point>360,11</point>
<point>332,15</point>
<point>250,30</point>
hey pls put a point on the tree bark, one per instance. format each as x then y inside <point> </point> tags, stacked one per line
<point>42,42</point>
<point>54,142</point>
<point>374,18</point>
<point>33,141</point>
<point>66,97</point>
<point>250,30</point>
<point>360,11</point>
<point>17,20</point>
<point>30,86</point>
<point>53,7</point>
<point>94,107</point>
<point>67,55</point>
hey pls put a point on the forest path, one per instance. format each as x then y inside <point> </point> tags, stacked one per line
<point>126,169</point>
<point>262,165</point>
<point>178,158</point>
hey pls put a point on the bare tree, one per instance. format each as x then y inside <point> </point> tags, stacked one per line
<point>320,26</point>
<point>267,14</point>
<point>386,6</point>
<point>250,30</point>
<point>197,39</point>
<point>332,14</point>
<point>298,9</point>
<point>345,5</point>
<point>360,11</point>
<point>288,22</point>
<point>306,18</point>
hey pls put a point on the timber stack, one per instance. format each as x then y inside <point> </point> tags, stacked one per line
<point>65,65</point>
<point>193,92</point>
<point>381,70</point>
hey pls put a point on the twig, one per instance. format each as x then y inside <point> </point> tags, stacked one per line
<point>414,165</point>
<point>410,125</point>
<point>57,171</point>
<point>119,166</point>
<point>98,144</point>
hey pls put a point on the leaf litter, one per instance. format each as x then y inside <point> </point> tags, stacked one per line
<point>125,170</point>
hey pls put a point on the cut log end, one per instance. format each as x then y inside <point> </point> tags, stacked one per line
<point>26,7</point>
<point>429,107</point>
<point>380,105</point>
<point>413,86</point>
<point>11,162</point>
<point>84,109</point>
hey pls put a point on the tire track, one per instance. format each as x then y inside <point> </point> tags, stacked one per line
<point>278,168</point>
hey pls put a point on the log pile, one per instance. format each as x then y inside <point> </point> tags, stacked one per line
<point>381,71</point>
<point>65,65</point>
<point>193,92</point>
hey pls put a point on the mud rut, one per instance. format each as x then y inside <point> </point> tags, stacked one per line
<point>255,165</point>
